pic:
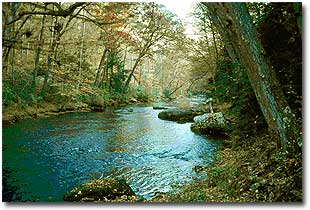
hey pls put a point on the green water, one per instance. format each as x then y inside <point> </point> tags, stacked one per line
<point>43,159</point>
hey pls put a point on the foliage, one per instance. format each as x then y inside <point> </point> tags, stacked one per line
<point>99,100</point>
<point>17,90</point>
<point>115,63</point>
<point>141,94</point>
<point>232,86</point>
<point>166,93</point>
<point>281,38</point>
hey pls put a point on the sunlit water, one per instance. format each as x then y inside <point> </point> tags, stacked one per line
<point>43,159</point>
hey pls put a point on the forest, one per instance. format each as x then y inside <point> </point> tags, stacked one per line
<point>78,79</point>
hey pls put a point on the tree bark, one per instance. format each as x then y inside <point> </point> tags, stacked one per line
<point>126,85</point>
<point>240,37</point>
<point>81,51</point>
<point>100,66</point>
<point>56,36</point>
<point>8,37</point>
<point>52,49</point>
<point>104,77</point>
<point>214,40</point>
<point>37,55</point>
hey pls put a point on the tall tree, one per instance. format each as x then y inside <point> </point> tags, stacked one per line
<point>58,29</point>
<point>38,52</point>
<point>241,40</point>
<point>153,28</point>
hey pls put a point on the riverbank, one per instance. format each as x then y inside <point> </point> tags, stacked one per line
<point>17,112</point>
<point>252,169</point>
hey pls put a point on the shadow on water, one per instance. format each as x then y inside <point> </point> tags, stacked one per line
<point>43,159</point>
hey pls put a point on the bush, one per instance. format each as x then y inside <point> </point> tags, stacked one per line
<point>18,89</point>
<point>8,95</point>
<point>141,94</point>
<point>96,101</point>
<point>166,93</point>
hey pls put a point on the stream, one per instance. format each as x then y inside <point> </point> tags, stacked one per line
<point>42,159</point>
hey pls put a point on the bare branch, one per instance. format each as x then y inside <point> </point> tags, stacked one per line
<point>60,12</point>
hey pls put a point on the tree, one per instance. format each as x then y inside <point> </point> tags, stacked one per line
<point>38,52</point>
<point>153,28</point>
<point>234,24</point>
<point>57,30</point>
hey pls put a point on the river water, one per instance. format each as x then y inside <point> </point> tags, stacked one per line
<point>45,158</point>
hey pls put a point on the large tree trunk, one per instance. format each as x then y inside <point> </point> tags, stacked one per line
<point>52,52</point>
<point>104,76</point>
<point>100,66</point>
<point>240,37</point>
<point>81,51</point>
<point>8,37</point>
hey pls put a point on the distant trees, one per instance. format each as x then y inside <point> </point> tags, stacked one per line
<point>152,30</point>
<point>79,50</point>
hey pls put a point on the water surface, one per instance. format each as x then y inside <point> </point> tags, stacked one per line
<point>45,158</point>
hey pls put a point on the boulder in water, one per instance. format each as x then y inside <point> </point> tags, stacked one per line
<point>102,190</point>
<point>181,115</point>
<point>212,124</point>
<point>159,106</point>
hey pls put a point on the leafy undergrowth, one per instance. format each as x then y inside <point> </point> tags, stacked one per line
<point>251,169</point>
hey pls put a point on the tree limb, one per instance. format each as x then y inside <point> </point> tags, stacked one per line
<point>60,12</point>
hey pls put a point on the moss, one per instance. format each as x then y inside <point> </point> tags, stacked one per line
<point>104,190</point>
<point>180,115</point>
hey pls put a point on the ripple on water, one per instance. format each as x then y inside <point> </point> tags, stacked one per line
<point>43,159</point>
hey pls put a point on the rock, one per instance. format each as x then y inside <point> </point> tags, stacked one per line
<point>104,190</point>
<point>198,169</point>
<point>133,100</point>
<point>97,104</point>
<point>124,110</point>
<point>200,118</point>
<point>160,105</point>
<point>68,106</point>
<point>180,115</point>
<point>113,102</point>
<point>81,105</point>
<point>97,108</point>
<point>212,124</point>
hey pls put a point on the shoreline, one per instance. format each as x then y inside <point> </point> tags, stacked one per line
<point>17,113</point>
